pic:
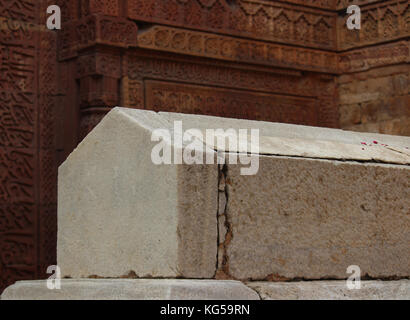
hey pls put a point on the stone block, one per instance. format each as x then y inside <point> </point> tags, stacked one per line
<point>323,199</point>
<point>311,219</point>
<point>384,85</point>
<point>350,115</point>
<point>359,97</point>
<point>401,84</point>
<point>371,111</point>
<point>119,213</point>
<point>399,106</point>
<point>131,289</point>
<point>400,126</point>
<point>332,290</point>
<point>306,216</point>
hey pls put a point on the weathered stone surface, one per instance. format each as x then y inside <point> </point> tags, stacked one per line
<point>332,290</point>
<point>283,130</point>
<point>311,219</point>
<point>376,100</point>
<point>80,75</point>
<point>131,289</point>
<point>119,213</point>
<point>300,216</point>
<point>303,216</point>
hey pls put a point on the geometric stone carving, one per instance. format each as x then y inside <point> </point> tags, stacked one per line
<point>232,48</point>
<point>172,289</point>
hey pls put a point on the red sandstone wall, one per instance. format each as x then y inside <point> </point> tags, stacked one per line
<point>374,90</point>
<point>376,101</point>
<point>27,141</point>
<point>243,51</point>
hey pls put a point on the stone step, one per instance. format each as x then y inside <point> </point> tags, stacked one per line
<point>172,289</point>
<point>320,200</point>
<point>332,290</point>
<point>131,289</point>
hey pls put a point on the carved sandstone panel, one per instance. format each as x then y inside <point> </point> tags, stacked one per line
<point>264,20</point>
<point>173,97</point>
<point>140,67</point>
<point>27,155</point>
<point>375,56</point>
<point>18,141</point>
<point>324,4</point>
<point>107,7</point>
<point>233,49</point>
<point>95,29</point>
<point>17,86</point>
<point>381,22</point>
<point>343,4</point>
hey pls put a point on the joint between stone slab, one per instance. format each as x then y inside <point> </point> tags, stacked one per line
<point>217,220</point>
<point>253,289</point>
<point>222,268</point>
<point>340,160</point>
<point>278,278</point>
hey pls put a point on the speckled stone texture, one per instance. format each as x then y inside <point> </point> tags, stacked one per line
<point>332,290</point>
<point>131,289</point>
<point>321,201</point>
<point>173,289</point>
<point>119,214</point>
<point>311,219</point>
